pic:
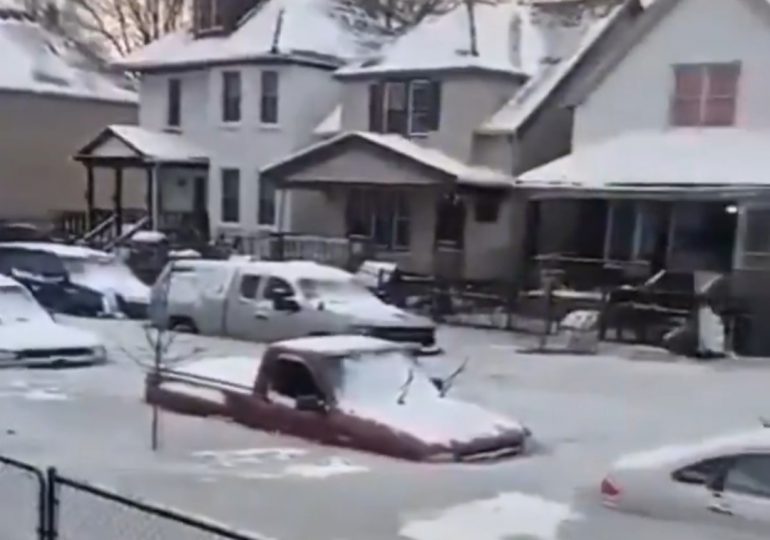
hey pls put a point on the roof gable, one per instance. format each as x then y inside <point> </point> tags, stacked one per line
<point>134,143</point>
<point>525,104</point>
<point>656,11</point>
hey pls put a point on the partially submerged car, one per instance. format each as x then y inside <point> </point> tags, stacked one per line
<point>723,480</point>
<point>353,391</point>
<point>76,280</point>
<point>272,301</point>
<point>30,337</point>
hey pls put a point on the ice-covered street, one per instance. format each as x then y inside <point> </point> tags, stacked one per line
<point>584,411</point>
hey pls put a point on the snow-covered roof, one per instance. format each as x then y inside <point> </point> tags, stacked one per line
<point>337,345</point>
<point>678,455</point>
<point>145,144</point>
<point>528,100</point>
<point>309,30</point>
<point>465,174</point>
<point>331,125</point>
<point>689,157</point>
<point>512,38</point>
<point>41,61</point>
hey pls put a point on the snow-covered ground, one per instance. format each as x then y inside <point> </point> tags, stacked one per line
<point>584,410</point>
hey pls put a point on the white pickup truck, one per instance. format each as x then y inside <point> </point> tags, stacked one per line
<point>272,301</point>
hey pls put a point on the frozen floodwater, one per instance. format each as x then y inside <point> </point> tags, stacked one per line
<point>585,411</point>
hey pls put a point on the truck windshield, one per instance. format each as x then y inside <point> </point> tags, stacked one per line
<point>384,377</point>
<point>334,290</point>
<point>17,305</point>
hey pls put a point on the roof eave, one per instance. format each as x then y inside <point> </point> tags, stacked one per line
<point>374,73</point>
<point>259,58</point>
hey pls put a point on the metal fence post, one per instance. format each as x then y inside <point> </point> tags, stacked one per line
<point>51,505</point>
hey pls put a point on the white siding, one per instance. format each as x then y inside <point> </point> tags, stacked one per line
<point>636,94</point>
<point>248,145</point>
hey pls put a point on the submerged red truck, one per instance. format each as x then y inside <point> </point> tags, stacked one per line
<point>352,391</point>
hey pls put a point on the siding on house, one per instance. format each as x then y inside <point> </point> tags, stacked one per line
<point>247,145</point>
<point>38,136</point>
<point>635,95</point>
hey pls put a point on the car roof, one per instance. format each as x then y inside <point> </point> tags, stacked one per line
<point>293,270</point>
<point>338,345</point>
<point>6,281</point>
<point>61,250</point>
<point>680,455</point>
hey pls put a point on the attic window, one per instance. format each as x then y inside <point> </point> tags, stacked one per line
<point>209,16</point>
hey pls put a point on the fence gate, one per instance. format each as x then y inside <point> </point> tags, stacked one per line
<point>22,501</point>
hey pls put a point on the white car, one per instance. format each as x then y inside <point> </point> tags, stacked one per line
<point>723,481</point>
<point>29,336</point>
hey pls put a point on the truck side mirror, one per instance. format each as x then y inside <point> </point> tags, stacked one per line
<point>310,404</point>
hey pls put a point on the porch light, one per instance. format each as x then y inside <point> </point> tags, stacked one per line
<point>731,209</point>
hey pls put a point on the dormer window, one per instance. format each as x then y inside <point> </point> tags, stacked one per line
<point>209,16</point>
<point>410,107</point>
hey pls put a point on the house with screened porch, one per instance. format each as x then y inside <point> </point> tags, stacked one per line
<point>671,144</point>
<point>671,152</point>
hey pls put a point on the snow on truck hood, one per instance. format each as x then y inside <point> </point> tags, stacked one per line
<point>111,278</point>
<point>371,389</point>
<point>41,334</point>
<point>372,311</point>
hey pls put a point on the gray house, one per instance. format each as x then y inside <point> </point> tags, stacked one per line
<point>53,95</point>
<point>419,155</point>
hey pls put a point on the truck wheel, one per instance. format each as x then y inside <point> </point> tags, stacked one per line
<point>183,324</point>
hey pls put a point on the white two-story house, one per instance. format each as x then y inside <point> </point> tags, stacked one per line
<point>671,144</point>
<point>245,85</point>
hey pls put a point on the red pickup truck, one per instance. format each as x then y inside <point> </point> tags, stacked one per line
<point>353,391</point>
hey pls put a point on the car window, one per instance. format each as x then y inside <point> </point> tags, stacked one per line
<point>33,262</point>
<point>249,287</point>
<point>293,379</point>
<point>700,473</point>
<point>277,287</point>
<point>749,475</point>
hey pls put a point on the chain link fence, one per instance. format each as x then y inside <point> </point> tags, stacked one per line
<point>88,512</point>
<point>22,501</point>
<point>37,505</point>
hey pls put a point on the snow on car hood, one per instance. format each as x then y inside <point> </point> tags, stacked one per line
<point>110,278</point>
<point>371,388</point>
<point>42,334</point>
<point>372,311</point>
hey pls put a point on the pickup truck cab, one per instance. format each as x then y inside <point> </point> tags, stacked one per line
<point>271,301</point>
<point>353,391</point>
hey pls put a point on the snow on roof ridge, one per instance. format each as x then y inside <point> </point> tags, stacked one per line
<point>310,32</point>
<point>532,95</point>
<point>443,42</point>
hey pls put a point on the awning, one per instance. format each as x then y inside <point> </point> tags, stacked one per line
<point>378,159</point>
<point>137,146</point>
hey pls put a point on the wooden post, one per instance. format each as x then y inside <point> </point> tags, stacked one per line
<point>118,200</point>
<point>90,218</point>
<point>150,197</point>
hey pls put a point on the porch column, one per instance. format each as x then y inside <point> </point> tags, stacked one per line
<point>118,200</point>
<point>150,197</point>
<point>90,197</point>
